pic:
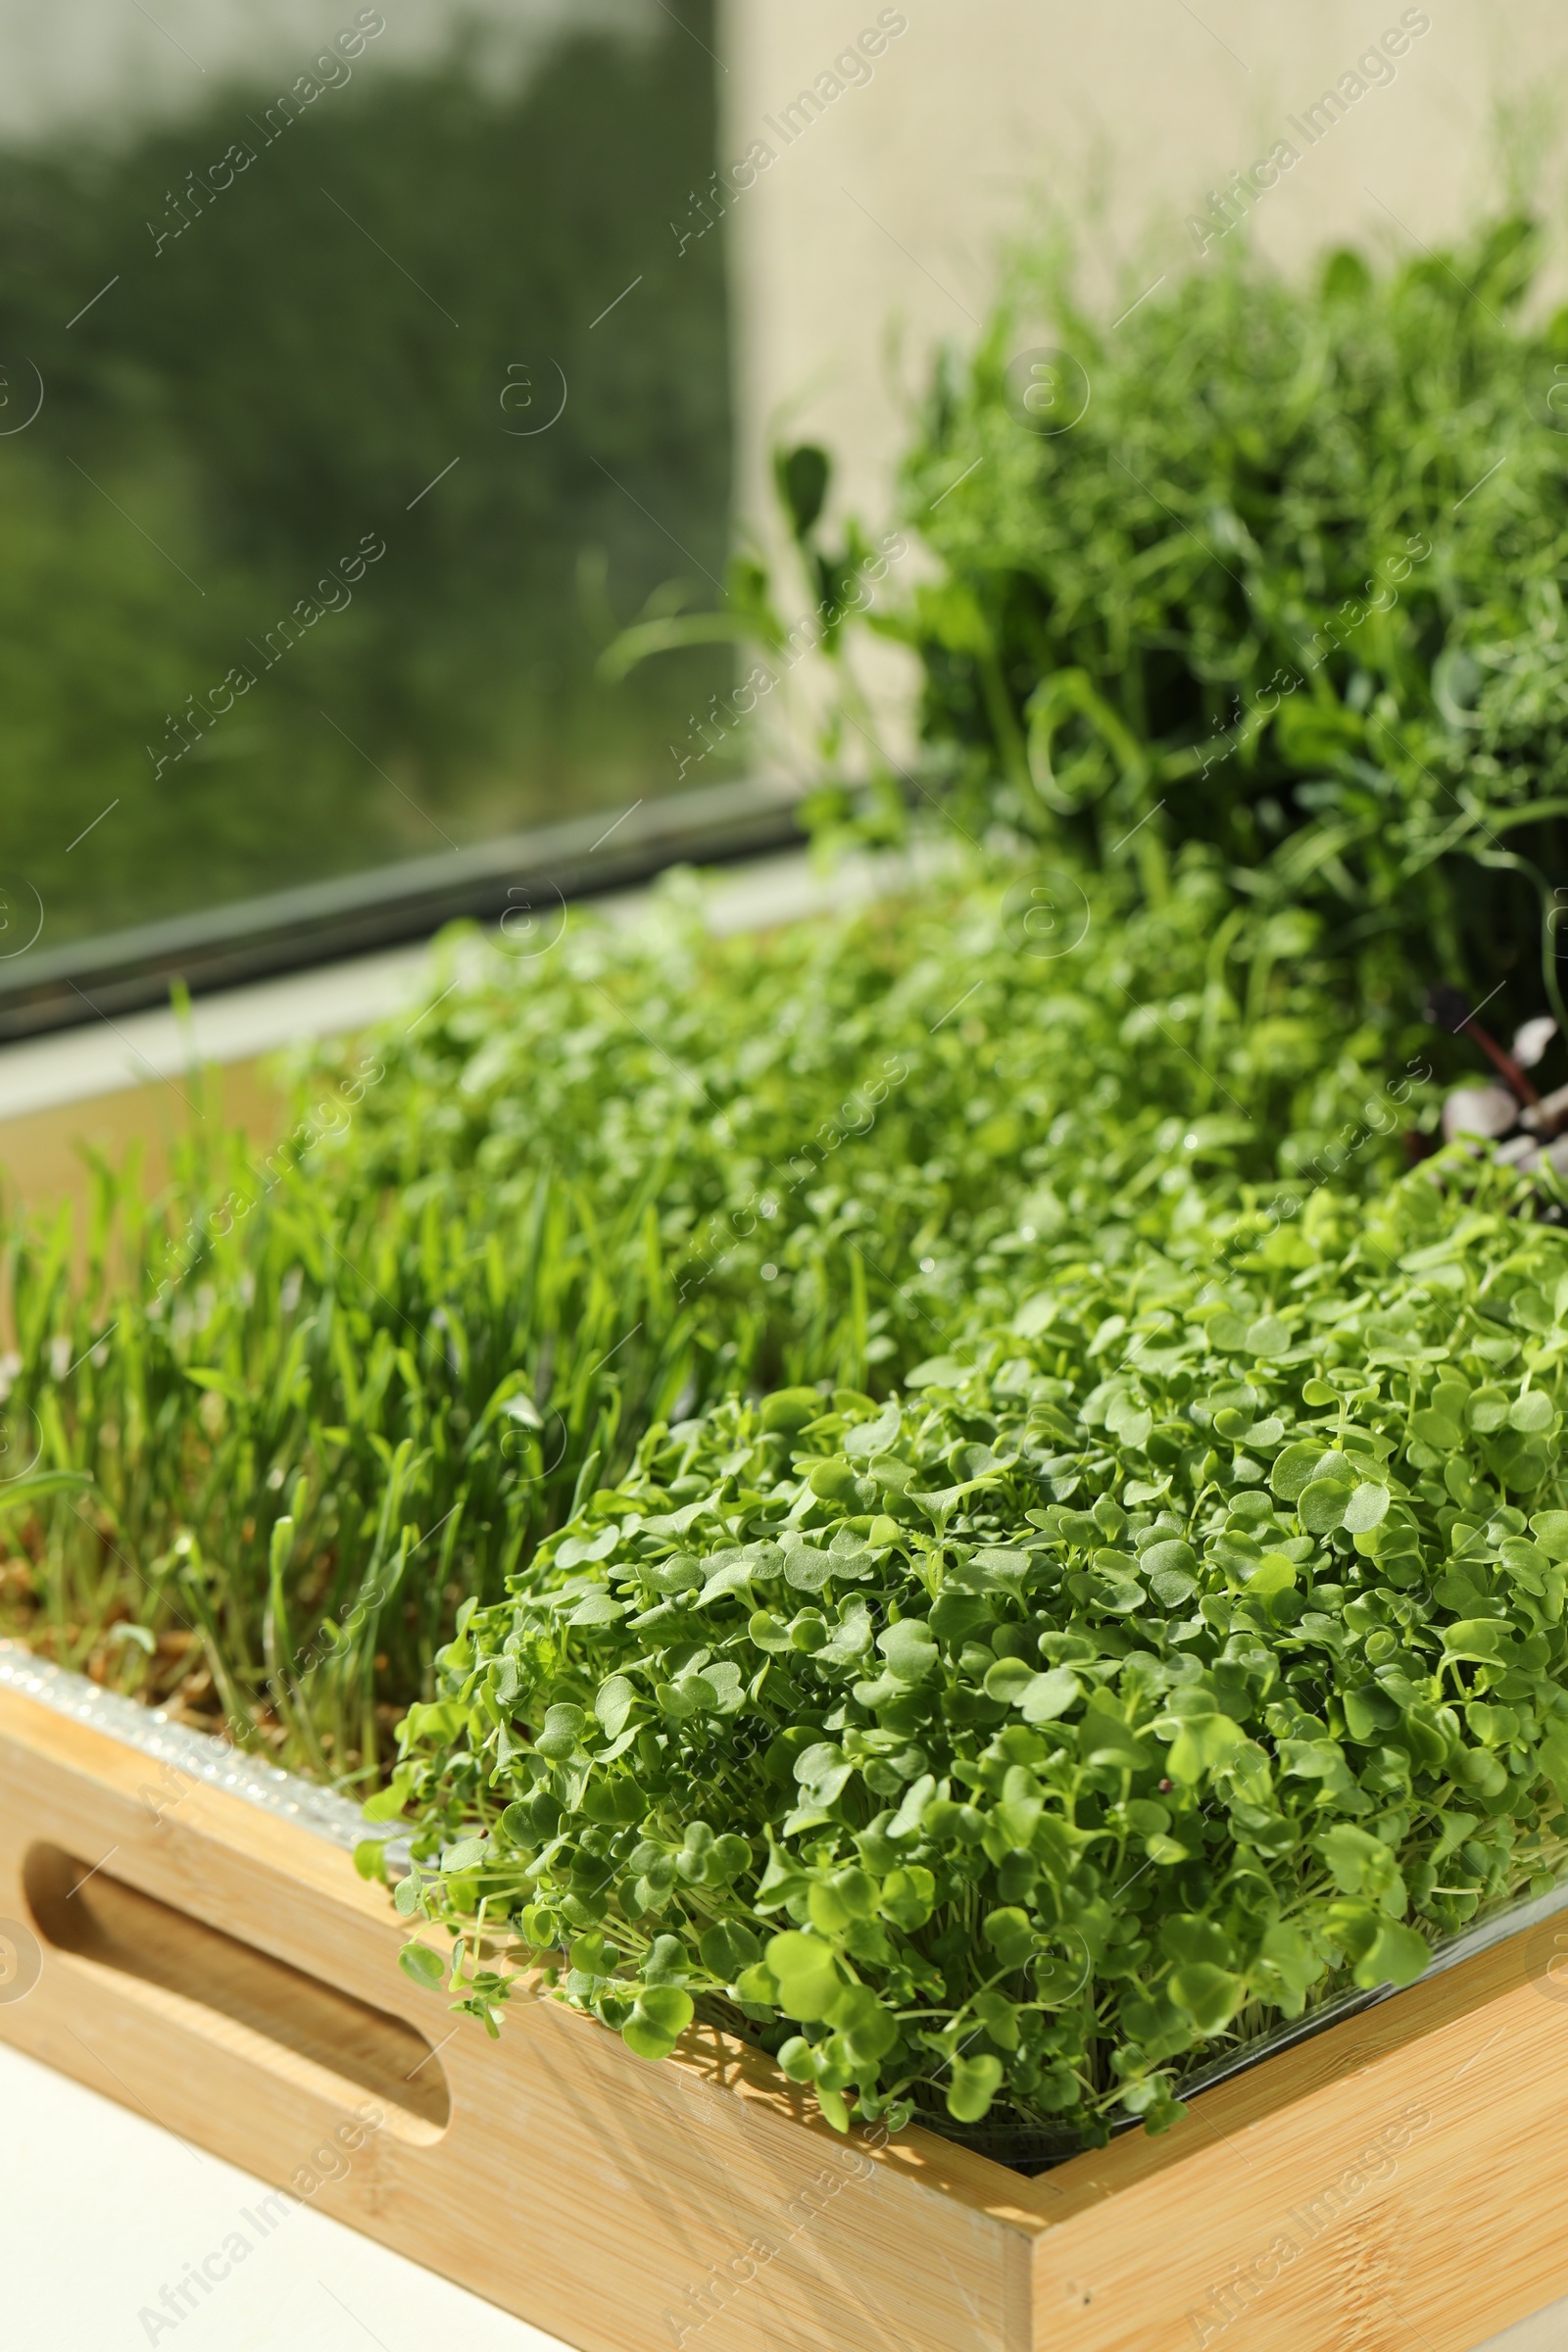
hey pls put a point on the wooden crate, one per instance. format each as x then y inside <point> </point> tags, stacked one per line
<point>1389,2183</point>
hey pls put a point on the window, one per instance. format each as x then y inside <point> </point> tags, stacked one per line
<point>353,395</point>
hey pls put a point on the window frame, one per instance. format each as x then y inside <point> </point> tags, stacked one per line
<point>321,923</point>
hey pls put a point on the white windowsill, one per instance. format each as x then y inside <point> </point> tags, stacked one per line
<point>106,1057</point>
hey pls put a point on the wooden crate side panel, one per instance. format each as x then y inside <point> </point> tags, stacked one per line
<point>749,2231</point>
<point>1389,2185</point>
<point>613,2203</point>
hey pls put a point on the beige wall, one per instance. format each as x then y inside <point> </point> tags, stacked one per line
<point>887,213</point>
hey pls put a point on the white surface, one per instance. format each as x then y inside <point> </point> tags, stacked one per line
<point>103,2211</point>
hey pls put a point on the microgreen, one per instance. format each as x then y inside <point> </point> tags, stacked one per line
<point>315,1399</point>
<point>1290,584</point>
<point>1161,1659</point>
